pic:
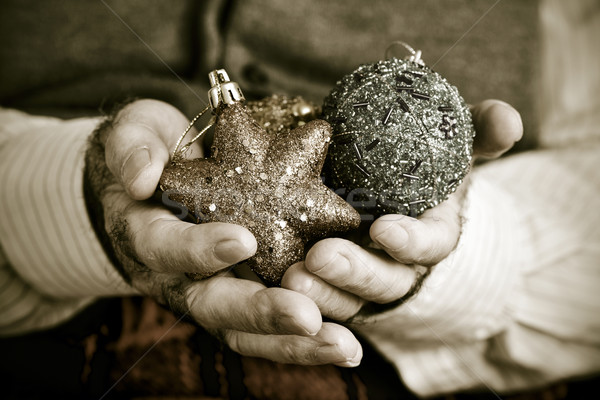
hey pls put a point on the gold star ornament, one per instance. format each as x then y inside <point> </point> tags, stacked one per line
<point>268,182</point>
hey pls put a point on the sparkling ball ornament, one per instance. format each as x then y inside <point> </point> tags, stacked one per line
<point>267,181</point>
<point>402,138</point>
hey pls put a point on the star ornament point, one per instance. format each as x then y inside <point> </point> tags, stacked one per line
<point>268,183</point>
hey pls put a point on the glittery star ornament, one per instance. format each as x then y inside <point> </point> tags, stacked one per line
<point>269,183</point>
<point>402,138</point>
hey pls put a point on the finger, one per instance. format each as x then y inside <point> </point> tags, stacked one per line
<point>164,243</point>
<point>242,305</point>
<point>368,274</point>
<point>423,241</point>
<point>138,147</point>
<point>498,127</point>
<point>332,301</point>
<point>334,344</point>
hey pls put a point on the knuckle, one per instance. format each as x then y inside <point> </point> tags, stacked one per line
<point>262,315</point>
<point>261,300</point>
<point>235,341</point>
<point>343,307</point>
<point>368,284</point>
<point>156,229</point>
<point>160,253</point>
<point>292,354</point>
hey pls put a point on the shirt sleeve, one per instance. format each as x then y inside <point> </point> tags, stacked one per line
<point>515,305</point>
<point>53,265</point>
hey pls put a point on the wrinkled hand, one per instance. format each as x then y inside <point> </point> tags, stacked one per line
<point>342,277</point>
<point>154,249</point>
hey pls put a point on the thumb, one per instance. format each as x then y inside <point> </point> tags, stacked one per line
<point>498,126</point>
<point>136,156</point>
<point>137,148</point>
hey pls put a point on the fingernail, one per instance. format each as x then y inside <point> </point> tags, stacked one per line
<point>392,237</point>
<point>350,364</point>
<point>332,354</point>
<point>517,122</point>
<point>337,264</point>
<point>290,325</point>
<point>352,361</point>
<point>230,251</point>
<point>342,265</point>
<point>303,285</point>
<point>135,164</point>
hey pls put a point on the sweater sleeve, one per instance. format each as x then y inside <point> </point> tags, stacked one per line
<point>52,263</point>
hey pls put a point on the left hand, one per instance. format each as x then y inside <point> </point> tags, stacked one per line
<point>341,276</point>
<point>153,249</point>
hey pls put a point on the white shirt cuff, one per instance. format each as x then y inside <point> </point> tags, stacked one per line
<point>464,300</point>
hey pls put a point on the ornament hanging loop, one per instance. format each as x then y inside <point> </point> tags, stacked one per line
<point>191,124</point>
<point>222,92</point>
<point>415,55</point>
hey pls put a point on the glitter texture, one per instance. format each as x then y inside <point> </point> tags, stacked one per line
<point>278,113</point>
<point>402,138</point>
<point>276,191</point>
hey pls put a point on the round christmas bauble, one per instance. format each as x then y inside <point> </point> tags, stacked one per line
<point>402,138</point>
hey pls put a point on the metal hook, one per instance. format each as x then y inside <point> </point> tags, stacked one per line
<point>415,54</point>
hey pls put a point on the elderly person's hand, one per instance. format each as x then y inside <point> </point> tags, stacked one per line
<point>154,249</point>
<point>342,277</point>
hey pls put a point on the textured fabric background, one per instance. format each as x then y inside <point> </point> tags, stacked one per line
<point>109,344</point>
<point>67,57</point>
<point>487,51</point>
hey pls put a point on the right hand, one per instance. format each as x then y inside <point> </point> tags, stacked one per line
<point>343,277</point>
<point>154,249</point>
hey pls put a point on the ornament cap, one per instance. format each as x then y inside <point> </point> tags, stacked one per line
<point>416,57</point>
<point>223,91</point>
